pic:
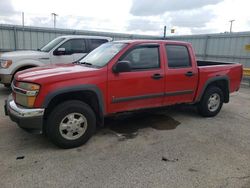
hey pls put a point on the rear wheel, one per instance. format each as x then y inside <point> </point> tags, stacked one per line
<point>71,124</point>
<point>211,102</point>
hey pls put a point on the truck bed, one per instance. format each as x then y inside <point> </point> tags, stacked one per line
<point>212,69</point>
<point>201,63</point>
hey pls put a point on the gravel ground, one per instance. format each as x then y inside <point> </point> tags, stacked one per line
<point>172,148</point>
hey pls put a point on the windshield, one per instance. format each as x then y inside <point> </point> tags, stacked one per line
<point>103,54</point>
<point>51,44</point>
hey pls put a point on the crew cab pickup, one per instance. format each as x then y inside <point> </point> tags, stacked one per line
<point>63,49</point>
<point>68,102</point>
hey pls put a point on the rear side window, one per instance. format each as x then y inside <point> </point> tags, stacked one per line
<point>178,56</point>
<point>94,43</point>
<point>74,46</point>
<point>146,57</point>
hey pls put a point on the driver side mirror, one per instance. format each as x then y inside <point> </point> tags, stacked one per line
<point>60,51</point>
<point>122,66</point>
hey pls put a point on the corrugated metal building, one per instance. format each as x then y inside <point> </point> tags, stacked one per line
<point>23,38</point>
<point>234,47</point>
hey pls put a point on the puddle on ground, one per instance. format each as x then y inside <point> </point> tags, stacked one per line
<point>126,126</point>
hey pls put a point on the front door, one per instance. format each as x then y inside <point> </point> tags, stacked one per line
<point>143,86</point>
<point>75,49</point>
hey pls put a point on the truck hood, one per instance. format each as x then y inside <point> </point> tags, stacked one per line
<point>54,73</point>
<point>18,55</point>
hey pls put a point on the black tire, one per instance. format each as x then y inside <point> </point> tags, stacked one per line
<point>7,85</point>
<point>203,107</point>
<point>59,113</point>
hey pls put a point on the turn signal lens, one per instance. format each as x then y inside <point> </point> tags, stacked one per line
<point>25,93</point>
<point>27,101</point>
<point>6,64</point>
<point>31,101</point>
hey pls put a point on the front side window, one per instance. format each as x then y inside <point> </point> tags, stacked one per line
<point>143,57</point>
<point>94,43</point>
<point>74,46</point>
<point>51,44</point>
<point>178,56</point>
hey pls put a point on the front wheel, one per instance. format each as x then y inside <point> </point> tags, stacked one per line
<point>7,85</point>
<point>211,102</point>
<point>71,124</point>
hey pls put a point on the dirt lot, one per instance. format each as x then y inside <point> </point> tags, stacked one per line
<point>168,148</point>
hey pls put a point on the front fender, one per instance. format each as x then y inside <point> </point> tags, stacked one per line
<point>86,87</point>
<point>27,63</point>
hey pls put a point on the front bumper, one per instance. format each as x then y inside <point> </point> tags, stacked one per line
<point>30,119</point>
<point>5,78</point>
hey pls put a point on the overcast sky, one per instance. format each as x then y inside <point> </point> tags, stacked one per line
<point>131,16</point>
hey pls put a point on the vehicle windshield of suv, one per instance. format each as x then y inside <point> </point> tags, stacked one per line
<point>103,54</point>
<point>51,44</point>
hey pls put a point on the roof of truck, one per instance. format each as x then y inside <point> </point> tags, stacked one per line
<point>152,41</point>
<point>85,36</point>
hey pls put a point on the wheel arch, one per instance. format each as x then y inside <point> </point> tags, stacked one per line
<point>24,67</point>
<point>26,63</point>
<point>21,68</point>
<point>222,82</point>
<point>90,94</point>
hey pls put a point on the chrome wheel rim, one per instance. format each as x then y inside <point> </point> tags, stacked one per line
<point>214,102</point>
<point>73,126</point>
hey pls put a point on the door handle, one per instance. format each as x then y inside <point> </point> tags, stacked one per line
<point>157,76</point>
<point>189,74</point>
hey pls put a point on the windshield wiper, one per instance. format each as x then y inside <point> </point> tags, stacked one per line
<point>85,63</point>
<point>75,62</point>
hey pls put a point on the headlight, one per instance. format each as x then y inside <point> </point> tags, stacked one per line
<point>28,86</point>
<point>25,93</point>
<point>5,63</point>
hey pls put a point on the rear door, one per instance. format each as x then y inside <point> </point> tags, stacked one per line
<point>142,87</point>
<point>181,74</point>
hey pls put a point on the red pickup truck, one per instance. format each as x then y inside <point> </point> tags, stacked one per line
<point>68,102</point>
